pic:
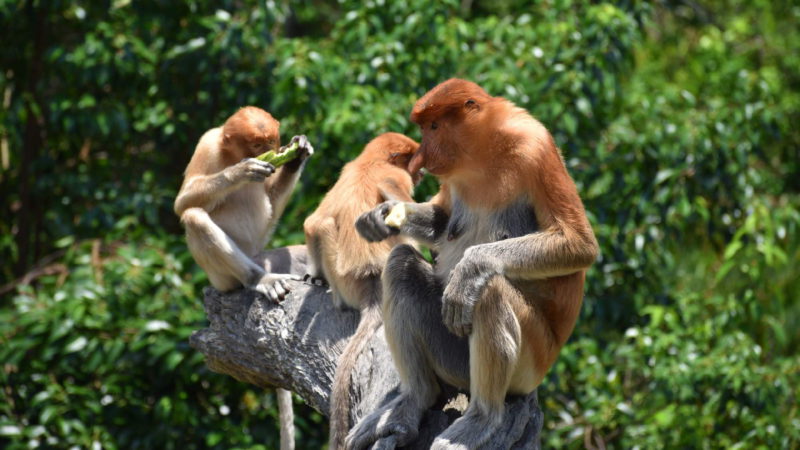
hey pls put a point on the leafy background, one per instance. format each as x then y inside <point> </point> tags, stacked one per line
<point>678,120</point>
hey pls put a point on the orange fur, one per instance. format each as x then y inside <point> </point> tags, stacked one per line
<point>492,153</point>
<point>380,168</point>
<point>351,265</point>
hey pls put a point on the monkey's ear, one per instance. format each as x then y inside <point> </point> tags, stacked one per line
<point>472,104</point>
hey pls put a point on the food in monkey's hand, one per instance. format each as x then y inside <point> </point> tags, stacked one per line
<point>283,155</point>
<point>397,216</point>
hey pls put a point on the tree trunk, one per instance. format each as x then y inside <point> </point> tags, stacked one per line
<point>295,345</point>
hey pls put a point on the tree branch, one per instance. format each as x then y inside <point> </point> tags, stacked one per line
<point>295,345</point>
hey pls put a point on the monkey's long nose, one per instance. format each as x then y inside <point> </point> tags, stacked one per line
<point>417,162</point>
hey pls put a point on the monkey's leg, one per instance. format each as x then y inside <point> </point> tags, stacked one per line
<point>314,271</point>
<point>292,259</point>
<point>224,262</point>
<point>280,186</point>
<point>422,349</point>
<point>322,240</point>
<point>494,345</point>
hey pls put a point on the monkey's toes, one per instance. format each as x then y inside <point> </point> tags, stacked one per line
<point>315,281</point>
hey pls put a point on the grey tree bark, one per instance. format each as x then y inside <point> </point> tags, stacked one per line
<point>295,345</point>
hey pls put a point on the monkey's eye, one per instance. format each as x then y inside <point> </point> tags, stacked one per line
<point>469,102</point>
<point>434,125</point>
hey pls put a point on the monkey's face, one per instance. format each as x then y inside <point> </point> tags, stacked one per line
<point>450,117</point>
<point>261,136</point>
<point>259,144</point>
<point>451,142</point>
<point>436,152</point>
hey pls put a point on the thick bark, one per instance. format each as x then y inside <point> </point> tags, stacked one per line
<point>295,346</point>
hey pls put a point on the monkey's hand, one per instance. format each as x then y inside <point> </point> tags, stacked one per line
<point>465,287</point>
<point>372,224</point>
<point>249,170</point>
<point>275,285</point>
<point>304,150</point>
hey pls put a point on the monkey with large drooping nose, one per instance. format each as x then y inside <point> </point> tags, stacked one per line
<point>513,244</point>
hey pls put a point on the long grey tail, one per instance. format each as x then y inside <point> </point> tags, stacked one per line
<point>286,415</point>
<point>340,396</point>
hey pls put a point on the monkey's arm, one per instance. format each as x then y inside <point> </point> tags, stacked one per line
<point>424,222</point>
<point>545,254</point>
<point>280,186</point>
<point>206,191</point>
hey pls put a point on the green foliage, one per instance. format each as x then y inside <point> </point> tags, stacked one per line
<point>100,355</point>
<point>677,121</point>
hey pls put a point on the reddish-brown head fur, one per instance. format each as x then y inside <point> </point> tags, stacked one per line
<point>451,116</point>
<point>250,132</point>
<point>395,148</point>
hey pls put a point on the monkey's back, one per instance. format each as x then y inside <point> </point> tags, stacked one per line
<point>355,193</point>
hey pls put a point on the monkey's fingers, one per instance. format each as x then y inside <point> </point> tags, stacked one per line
<point>372,226</point>
<point>256,170</point>
<point>448,317</point>
<point>314,281</point>
<point>466,320</point>
<point>304,148</point>
<point>273,294</point>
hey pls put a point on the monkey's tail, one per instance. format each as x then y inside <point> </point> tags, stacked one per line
<point>286,415</point>
<point>340,395</point>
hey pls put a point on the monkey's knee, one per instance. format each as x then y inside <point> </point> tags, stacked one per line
<point>402,258</point>
<point>495,317</point>
<point>405,265</point>
<point>195,219</point>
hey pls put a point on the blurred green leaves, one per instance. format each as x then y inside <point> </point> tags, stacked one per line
<point>102,356</point>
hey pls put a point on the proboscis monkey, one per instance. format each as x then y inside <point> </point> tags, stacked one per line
<point>351,265</point>
<point>229,204</point>
<point>505,291</point>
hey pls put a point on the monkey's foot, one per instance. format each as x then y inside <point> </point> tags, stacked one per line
<point>315,281</point>
<point>399,419</point>
<point>471,430</point>
<point>275,285</point>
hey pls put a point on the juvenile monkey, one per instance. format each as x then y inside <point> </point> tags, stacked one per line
<point>229,204</point>
<point>352,266</point>
<point>513,246</point>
